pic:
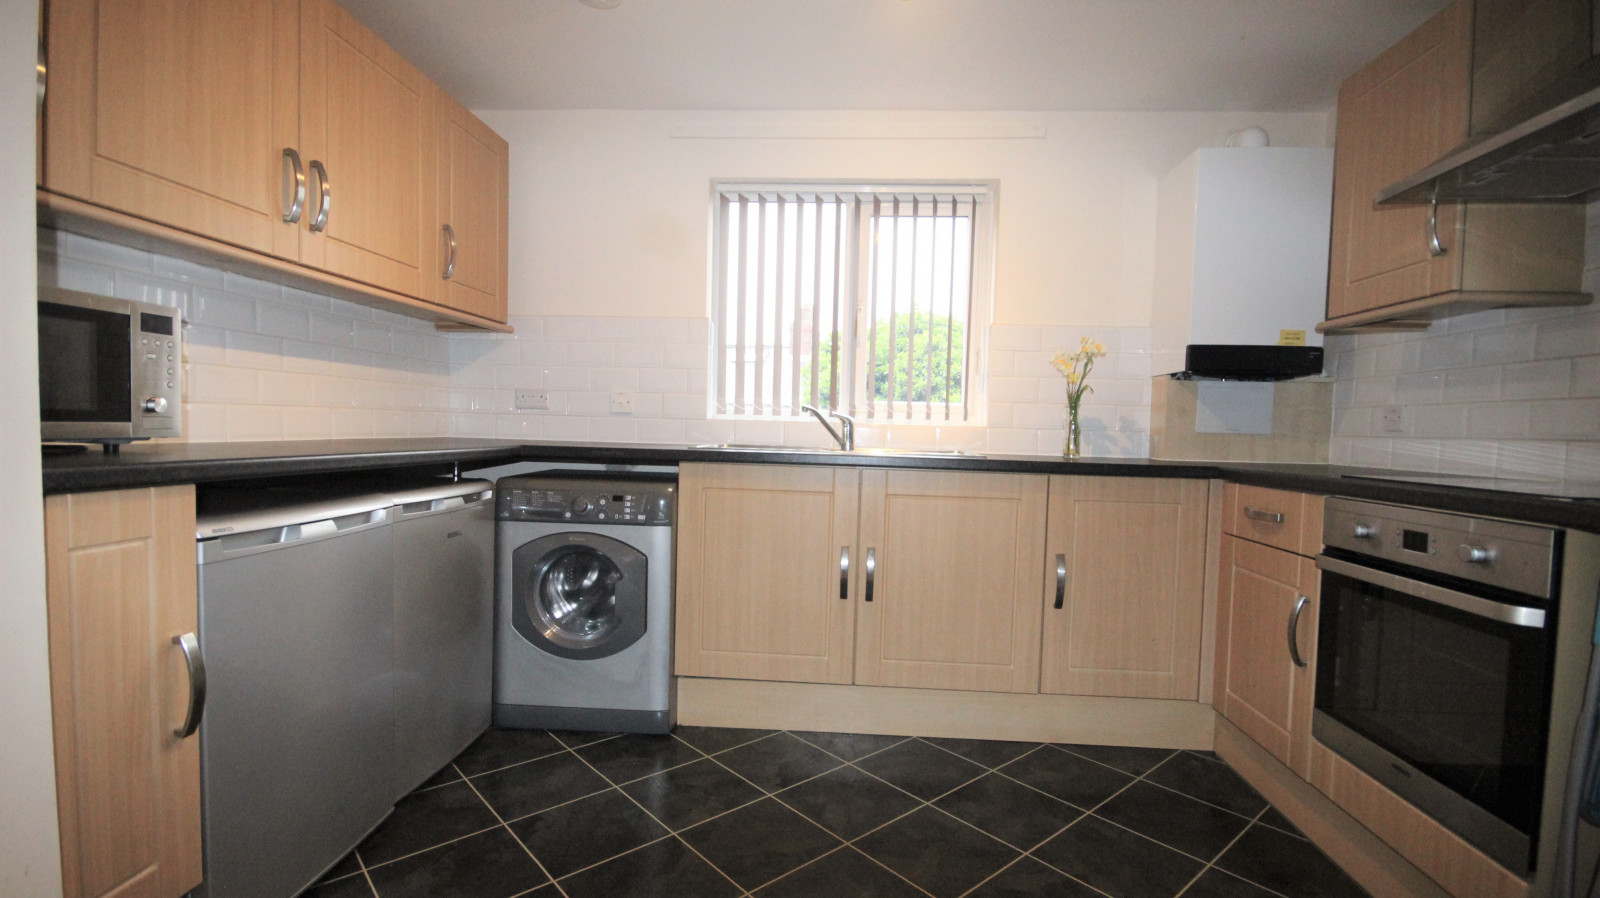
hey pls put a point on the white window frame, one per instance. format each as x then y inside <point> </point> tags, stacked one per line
<point>853,327</point>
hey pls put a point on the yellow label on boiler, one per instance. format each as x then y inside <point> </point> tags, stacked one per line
<point>1291,338</point>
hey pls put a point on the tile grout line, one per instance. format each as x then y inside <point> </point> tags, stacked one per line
<point>538,863</point>
<point>1213,862</point>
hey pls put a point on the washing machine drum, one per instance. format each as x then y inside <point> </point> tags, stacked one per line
<point>579,595</point>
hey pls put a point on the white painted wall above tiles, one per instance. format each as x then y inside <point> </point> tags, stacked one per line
<point>264,362</point>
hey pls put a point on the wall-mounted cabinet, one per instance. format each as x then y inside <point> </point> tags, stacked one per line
<point>1398,266</point>
<point>282,139</point>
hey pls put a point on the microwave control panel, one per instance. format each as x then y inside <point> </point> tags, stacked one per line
<point>157,391</point>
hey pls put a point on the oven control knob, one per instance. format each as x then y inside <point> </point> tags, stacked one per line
<point>580,505</point>
<point>155,405</point>
<point>1475,554</point>
<point>1364,531</point>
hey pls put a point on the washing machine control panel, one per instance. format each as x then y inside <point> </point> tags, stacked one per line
<point>636,504</point>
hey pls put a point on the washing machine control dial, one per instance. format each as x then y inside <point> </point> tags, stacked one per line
<point>580,505</point>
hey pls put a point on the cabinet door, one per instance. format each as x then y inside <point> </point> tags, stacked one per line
<point>1263,691</point>
<point>758,583</point>
<point>1402,112</point>
<point>950,571</point>
<point>176,112</point>
<point>1125,587</point>
<point>121,585</point>
<point>369,118</point>
<point>473,213</point>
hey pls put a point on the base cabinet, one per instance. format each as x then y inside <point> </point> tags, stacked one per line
<point>1124,587</point>
<point>120,575</point>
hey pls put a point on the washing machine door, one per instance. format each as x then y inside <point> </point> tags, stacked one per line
<point>579,595</point>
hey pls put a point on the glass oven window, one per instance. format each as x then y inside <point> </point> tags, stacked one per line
<point>83,364</point>
<point>1462,698</point>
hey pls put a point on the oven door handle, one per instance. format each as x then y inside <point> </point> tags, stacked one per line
<point>1515,615</point>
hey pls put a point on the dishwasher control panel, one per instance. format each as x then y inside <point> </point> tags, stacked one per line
<point>591,500</point>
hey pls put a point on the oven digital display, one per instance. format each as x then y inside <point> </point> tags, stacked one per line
<point>1414,540</point>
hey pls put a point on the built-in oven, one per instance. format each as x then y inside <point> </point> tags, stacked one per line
<point>1436,650</point>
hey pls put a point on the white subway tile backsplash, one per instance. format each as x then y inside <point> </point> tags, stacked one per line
<point>279,320</point>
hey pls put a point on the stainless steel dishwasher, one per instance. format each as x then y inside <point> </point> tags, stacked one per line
<point>443,623</point>
<point>297,749</point>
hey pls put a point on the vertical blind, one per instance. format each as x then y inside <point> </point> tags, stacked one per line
<point>857,300</point>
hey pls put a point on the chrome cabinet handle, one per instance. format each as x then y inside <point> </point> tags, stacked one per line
<point>41,74</point>
<point>189,644</point>
<point>294,186</point>
<point>1294,631</point>
<point>1061,580</point>
<point>1256,514</point>
<point>844,572</point>
<point>872,569</point>
<point>324,196</point>
<point>1435,248</point>
<point>450,267</point>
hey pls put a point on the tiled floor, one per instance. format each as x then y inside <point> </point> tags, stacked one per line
<point>714,812</point>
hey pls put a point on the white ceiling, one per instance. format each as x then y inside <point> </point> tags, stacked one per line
<point>1131,55</point>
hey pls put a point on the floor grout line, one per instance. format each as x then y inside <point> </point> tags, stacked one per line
<point>520,844</point>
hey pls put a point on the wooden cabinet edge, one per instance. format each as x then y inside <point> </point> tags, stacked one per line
<point>1419,314</point>
<point>79,217</point>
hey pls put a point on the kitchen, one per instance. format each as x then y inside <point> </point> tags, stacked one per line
<point>1089,264</point>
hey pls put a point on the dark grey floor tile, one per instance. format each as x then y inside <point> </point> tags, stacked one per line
<point>1287,865</point>
<point>347,887</point>
<point>1208,781</point>
<point>1274,818</point>
<point>848,802</point>
<point>537,785</point>
<point>1208,755</point>
<point>664,869</point>
<point>1127,759</point>
<point>988,752</point>
<point>425,819</point>
<point>498,748</point>
<point>686,795</point>
<point>1068,777</point>
<point>760,842</point>
<point>630,757</point>
<point>1215,883</point>
<point>349,865</point>
<point>1009,811</point>
<point>488,865</point>
<point>714,739</point>
<point>845,872</point>
<point>1174,820</point>
<point>580,738</point>
<point>778,762</point>
<point>850,746</point>
<point>1028,878</point>
<point>587,831</point>
<point>1120,863</point>
<point>447,774</point>
<point>921,769</point>
<point>937,852</point>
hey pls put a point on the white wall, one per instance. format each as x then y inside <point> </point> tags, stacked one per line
<point>30,854</point>
<point>610,212</point>
<point>1513,393</point>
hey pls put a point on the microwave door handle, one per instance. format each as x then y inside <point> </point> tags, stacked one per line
<point>1515,615</point>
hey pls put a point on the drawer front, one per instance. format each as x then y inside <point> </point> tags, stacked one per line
<point>1286,520</point>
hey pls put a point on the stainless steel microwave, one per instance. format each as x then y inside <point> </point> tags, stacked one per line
<point>110,370</point>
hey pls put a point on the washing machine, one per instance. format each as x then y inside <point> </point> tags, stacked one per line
<point>583,596</point>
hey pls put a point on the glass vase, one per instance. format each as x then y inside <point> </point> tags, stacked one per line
<point>1073,447</point>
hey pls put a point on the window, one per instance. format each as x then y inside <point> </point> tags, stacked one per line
<point>869,300</point>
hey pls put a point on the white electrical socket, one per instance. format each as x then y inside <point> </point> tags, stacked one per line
<point>621,403</point>
<point>538,400</point>
<point>1392,419</point>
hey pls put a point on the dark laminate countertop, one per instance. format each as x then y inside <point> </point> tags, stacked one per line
<point>166,463</point>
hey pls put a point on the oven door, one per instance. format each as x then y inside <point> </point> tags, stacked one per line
<point>1441,695</point>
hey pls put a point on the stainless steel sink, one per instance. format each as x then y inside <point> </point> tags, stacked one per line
<point>815,450</point>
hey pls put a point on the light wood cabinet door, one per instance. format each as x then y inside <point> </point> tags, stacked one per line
<point>759,569</point>
<point>1124,587</point>
<point>1397,115</point>
<point>1261,688</point>
<point>176,112</point>
<point>473,213</point>
<point>121,586</point>
<point>369,118</point>
<point>956,563</point>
